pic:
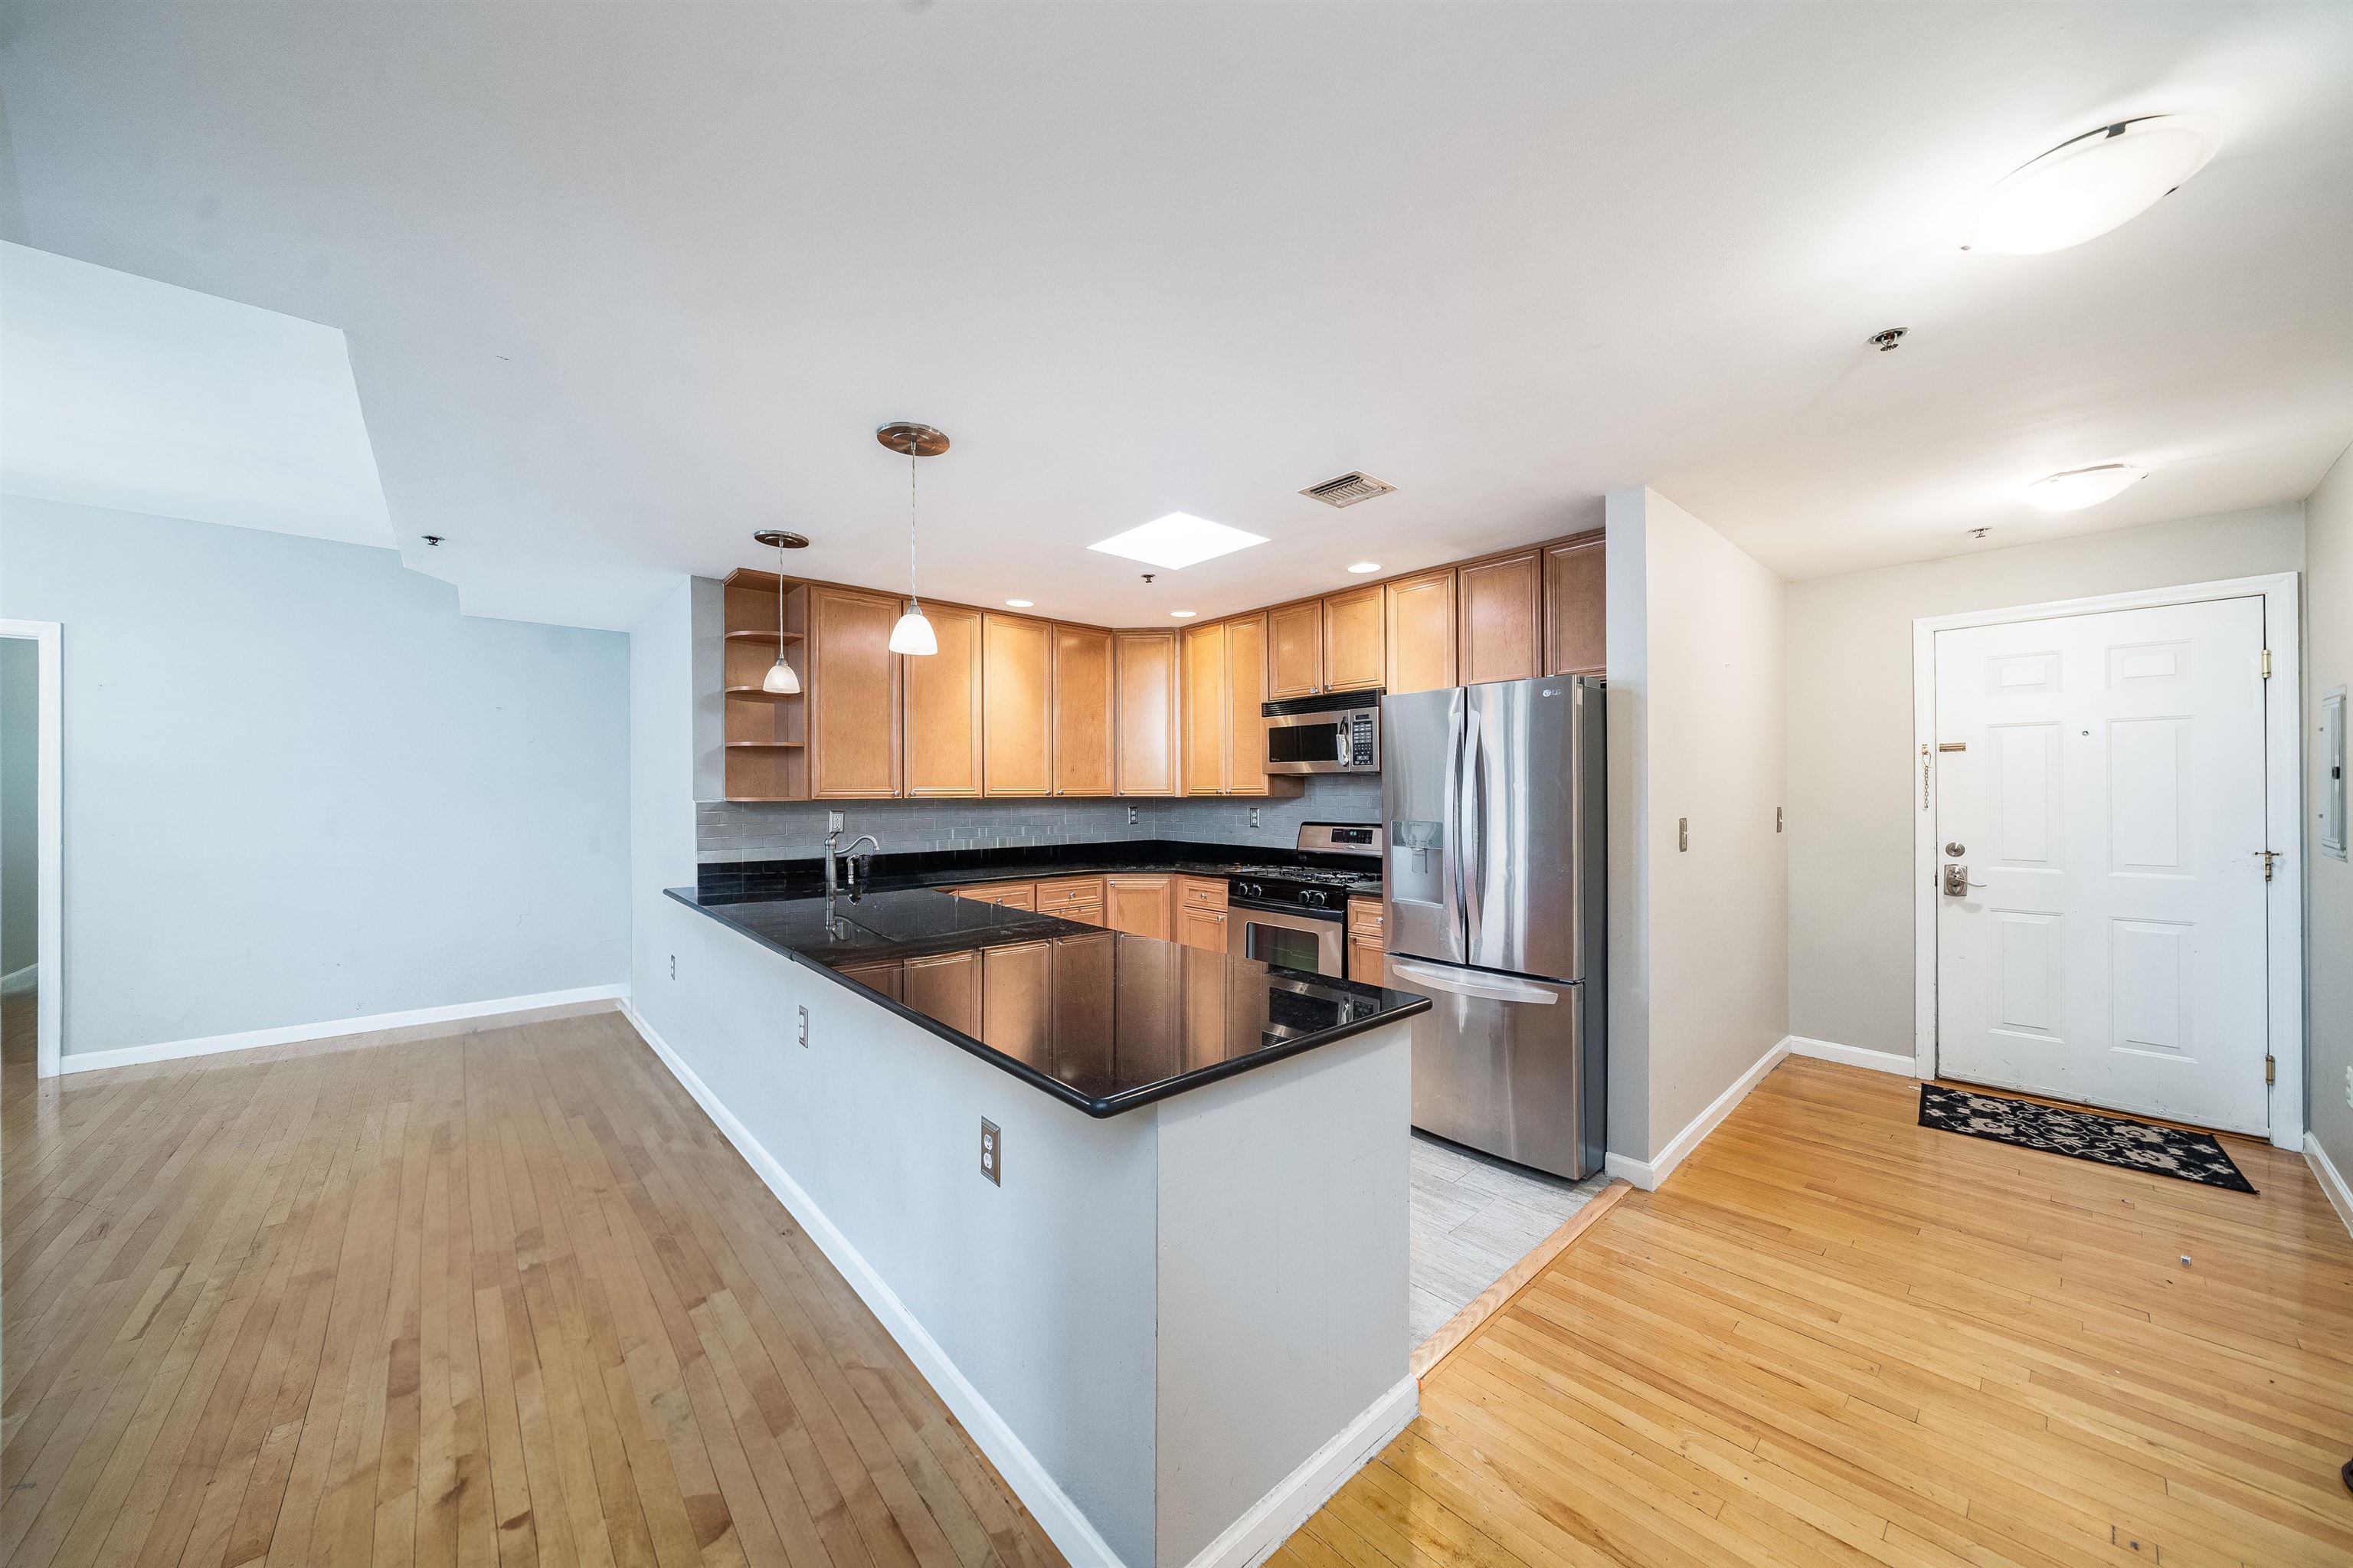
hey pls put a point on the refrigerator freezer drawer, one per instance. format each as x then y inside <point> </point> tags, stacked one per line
<point>1496,1066</point>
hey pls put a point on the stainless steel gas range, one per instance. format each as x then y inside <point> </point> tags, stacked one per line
<point>1296,917</point>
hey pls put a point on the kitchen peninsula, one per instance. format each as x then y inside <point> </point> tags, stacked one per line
<point>1138,1209</point>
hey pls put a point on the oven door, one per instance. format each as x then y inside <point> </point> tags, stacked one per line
<point>1307,742</point>
<point>1288,937</point>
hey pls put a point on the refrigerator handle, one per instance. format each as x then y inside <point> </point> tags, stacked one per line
<point>1487,988</point>
<point>1469,841</point>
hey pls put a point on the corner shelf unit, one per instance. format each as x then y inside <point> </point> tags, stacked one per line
<point>766,734</point>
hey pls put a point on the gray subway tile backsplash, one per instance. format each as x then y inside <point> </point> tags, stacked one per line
<point>727,831</point>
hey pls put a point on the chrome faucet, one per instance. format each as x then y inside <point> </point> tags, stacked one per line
<point>833,856</point>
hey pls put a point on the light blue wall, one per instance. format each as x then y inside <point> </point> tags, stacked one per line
<point>20,695</point>
<point>301,787</point>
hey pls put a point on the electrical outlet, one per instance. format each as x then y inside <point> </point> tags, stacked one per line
<point>804,1028</point>
<point>674,966</point>
<point>1131,816</point>
<point>1256,822</point>
<point>992,1152</point>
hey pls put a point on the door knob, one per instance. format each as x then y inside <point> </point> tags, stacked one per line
<point>1954,851</point>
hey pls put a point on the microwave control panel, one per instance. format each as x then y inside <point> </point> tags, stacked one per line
<point>1360,740</point>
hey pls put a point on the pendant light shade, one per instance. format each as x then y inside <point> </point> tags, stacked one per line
<point>914,634</point>
<point>780,679</point>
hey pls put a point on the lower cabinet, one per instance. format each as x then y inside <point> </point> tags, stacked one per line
<point>946,988</point>
<point>1138,905</point>
<point>1079,898</point>
<point>1009,895</point>
<point>1367,941</point>
<point>1201,913</point>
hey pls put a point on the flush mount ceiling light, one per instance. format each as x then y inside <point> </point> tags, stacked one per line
<point>1183,614</point>
<point>2081,189</point>
<point>1361,567</point>
<point>912,634</point>
<point>1176,541</point>
<point>1021,603</point>
<point>2080,487</point>
<point>782,680</point>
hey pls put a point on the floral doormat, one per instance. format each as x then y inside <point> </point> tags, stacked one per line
<point>2111,1140</point>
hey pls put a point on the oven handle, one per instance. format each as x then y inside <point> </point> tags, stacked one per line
<point>1486,987</point>
<point>1268,906</point>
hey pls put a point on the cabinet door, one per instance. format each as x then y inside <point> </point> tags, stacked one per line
<point>1245,693</point>
<point>1575,625</point>
<point>853,694</point>
<point>1295,664</point>
<point>1203,928</point>
<point>1501,605</point>
<point>1146,667</point>
<point>1082,711</point>
<point>1352,636</point>
<point>1365,960</point>
<point>1422,631</point>
<point>1017,665</point>
<point>944,708</point>
<point>1205,709</point>
<point>1017,990</point>
<point>945,989</point>
<point>1138,906</point>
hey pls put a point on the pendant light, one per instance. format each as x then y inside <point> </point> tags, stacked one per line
<point>781,680</point>
<point>912,634</point>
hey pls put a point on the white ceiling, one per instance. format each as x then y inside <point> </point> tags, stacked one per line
<point>624,282</point>
<point>128,393</point>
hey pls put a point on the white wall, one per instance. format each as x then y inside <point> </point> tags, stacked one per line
<point>1853,784</point>
<point>2329,932</point>
<point>300,788</point>
<point>20,695</point>
<point>1699,943</point>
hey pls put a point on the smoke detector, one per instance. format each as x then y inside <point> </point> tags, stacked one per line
<point>1348,488</point>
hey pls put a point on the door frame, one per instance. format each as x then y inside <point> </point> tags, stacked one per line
<point>2282,813</point>
<point>48,794</point>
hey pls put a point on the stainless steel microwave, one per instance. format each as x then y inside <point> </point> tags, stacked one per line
<point>1339,732</point>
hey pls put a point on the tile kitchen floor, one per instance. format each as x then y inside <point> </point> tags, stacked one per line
<point>1473,1217</point>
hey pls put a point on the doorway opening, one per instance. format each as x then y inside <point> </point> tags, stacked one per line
<point>31,851</point>
<point>2110,903</point>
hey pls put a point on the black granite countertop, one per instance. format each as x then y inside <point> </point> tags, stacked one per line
<point>1102,1019</point>
<point>1027,863</point>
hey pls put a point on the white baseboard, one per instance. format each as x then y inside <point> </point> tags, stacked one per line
<point>15,981</point>
<point>1903,1066</point>
<point>2331,1180</point>
<point>333,1029</point>
<point>1272,1519</point>
<point>1069,1528</point>
<point>1647,1175</point>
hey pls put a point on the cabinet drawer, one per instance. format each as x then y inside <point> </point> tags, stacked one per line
<point>1365,917</point>
<point>1088,914</point>
<point>1012,895</point>
<point>1070,890</point>
<point>1200,893</point>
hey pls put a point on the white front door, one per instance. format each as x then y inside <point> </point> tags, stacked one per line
<point>2100,780</point>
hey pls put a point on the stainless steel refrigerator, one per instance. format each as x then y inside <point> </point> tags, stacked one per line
<point>1497,911</point>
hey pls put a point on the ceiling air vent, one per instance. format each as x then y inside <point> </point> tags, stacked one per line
<point>1348,488</point>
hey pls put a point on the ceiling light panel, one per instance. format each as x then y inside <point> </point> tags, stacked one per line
<point>2081,189</point>
<point>1176,541</point>
<point>2080,487</point>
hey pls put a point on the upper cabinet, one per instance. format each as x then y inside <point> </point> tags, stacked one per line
<point>1084,711</point>
<point>1354,638</point>
<point>1295,658</point>
<point>1207,710</point>
<point>1575,636</point>
<point>1499,603</point>
<point>765,733</point>
<point>1225,733</point>
<point>1018,658</point>
<point>853,694</point>
<point>1144,675</point>
<point>1422,631</point>
<point>944,719</point>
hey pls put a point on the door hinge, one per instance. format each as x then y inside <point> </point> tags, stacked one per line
<point>2271,1069</point>
<point>2267,663</point>
<point>2268,857</point>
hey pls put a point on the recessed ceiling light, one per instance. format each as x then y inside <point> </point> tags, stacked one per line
<point>1360,568</point>
<point>1177,540</point>
<point>2080,487</point>
<point>2081,189</point>
<point>1183,614</point>
<point>1021,603</point>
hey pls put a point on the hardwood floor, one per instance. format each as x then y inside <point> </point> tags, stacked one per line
<point>1836,1337</point>
<point>504,1297</point>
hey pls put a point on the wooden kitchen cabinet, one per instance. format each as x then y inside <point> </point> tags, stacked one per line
<point>1208,711</point>
<point>1420,615</point>
<point>1367,941</point>
<point>1016,1009</point>
<point>1144,667</point>
<point>1016,666</point>
<point>1008,895</point>
<point>1246,693</point>
<point>945,989</point>
<point>1138,905</point>
<point>1295,658</point>
<point>1203,928</point>
<point>1576,634</point>
<point>1499,608</point>
<point>1084,708</point>
<point>883,978</point>
<point>1354,640</point>
<point>1079,898</point>
<point>853,694</point>
<point>944,712</point>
